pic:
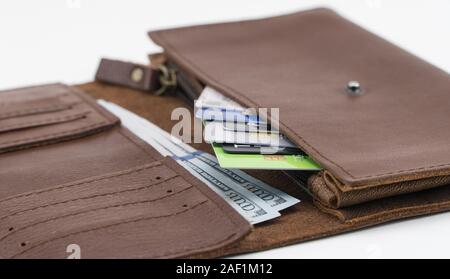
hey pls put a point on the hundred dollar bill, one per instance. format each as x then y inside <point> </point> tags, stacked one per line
<point>255,209</point>
<point>275,198</point>
<point>249,205</point>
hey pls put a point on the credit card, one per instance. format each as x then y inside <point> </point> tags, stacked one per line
<point>247,127</point>
<point>259,149</point>
<point>214,132</point>
<point>266,162</point>
<point>217,114</point>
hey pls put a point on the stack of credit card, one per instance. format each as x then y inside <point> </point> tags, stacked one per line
<point>243,139</point>
<point>255,200</point>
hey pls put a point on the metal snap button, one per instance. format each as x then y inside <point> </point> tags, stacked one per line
<point>354,88</point>
<point>137,74</point>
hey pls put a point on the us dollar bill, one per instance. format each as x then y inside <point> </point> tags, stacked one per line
<point>274,197</point>
<point>277,199</point>
<point>249,205</point>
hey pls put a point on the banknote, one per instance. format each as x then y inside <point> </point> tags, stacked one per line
<point>275,198</point>
<point>249,205</point>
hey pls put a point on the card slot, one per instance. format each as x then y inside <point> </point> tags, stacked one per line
<point>30,93</point>
<point>144,242</point>
<point>40,120</point>
<point>54,117</point>
<point>20,221</point>
<point>63,226</point>
<point>46,135</point>
<point>37,106</point>
<point>124,180</point>
<point>142,230</point>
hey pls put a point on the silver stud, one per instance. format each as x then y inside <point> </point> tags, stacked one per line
<point>354,88</point>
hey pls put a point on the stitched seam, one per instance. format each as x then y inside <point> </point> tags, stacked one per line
<point>34,110</point>
<point>45,86</point>
<point>87,198</point>
<point>112,225</point>
<point>99,124</point>
<point>109,117</point>
<point>161,36</point>
<point>398,212</point>
<point>195,181</point>
<point>92,180</point>
<point>50,220</point>
<point>44,121</point>
<point>49,141</point>
<point>28,100</point>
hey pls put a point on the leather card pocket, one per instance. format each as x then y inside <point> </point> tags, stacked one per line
<point>34,100</point>
<point>149,211</point>
<point>47,114</point>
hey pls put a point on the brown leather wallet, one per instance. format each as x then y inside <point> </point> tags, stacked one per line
<point>368,112</point>
<point>371,114</point>
<point>70,174</point>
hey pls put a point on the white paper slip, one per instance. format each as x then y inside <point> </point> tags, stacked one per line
<point>211,98</point>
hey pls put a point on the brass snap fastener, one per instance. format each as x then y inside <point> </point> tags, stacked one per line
<point>137,75</point>
<point>354,88</point>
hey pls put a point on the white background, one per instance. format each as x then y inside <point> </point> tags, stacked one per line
<point>58,40</point>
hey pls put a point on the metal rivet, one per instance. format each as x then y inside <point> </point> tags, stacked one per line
<point>137,74</point>
<point>354,88</point>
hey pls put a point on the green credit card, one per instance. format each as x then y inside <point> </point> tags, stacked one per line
<point>261,161</point>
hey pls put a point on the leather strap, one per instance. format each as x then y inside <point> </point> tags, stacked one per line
<point>128,74</point>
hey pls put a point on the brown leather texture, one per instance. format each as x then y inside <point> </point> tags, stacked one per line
<point>305,221</point>
<point>301,63</point>
<point>127,74</point>
<point>107,192</point>
<point>30,118</point>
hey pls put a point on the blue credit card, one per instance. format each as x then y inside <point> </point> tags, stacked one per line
<point>216,114</point>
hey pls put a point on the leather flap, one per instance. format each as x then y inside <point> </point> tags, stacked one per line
<point>47,114</point>
<point>395,130</point>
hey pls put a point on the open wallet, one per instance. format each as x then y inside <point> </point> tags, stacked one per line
<point>72,174</point>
